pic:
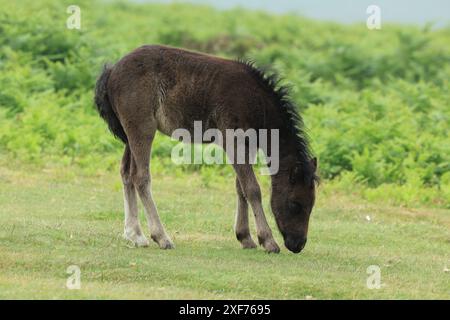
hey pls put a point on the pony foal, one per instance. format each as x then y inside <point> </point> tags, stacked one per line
<point>163,88</point>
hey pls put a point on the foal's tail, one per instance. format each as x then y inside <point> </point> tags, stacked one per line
<point>104,105</point>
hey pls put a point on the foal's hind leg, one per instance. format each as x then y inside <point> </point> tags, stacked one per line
<point>241,226</point>
<point>140,145</point>
<point>132,229</point>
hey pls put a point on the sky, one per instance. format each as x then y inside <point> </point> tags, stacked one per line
<point>345,11</point>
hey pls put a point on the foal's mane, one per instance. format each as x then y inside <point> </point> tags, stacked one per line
<point>292,121</point>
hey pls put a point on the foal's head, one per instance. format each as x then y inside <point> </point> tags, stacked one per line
<point>293,196</point>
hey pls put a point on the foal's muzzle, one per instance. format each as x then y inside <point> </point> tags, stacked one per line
<point>295,244</point>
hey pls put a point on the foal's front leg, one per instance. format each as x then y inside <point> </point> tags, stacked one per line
<point>252,192</point>
<point>241,226</point>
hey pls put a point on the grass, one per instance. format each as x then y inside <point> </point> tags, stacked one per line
<point>53,218</point>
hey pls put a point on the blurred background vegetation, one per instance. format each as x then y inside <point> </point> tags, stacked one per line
<point>376,103</point>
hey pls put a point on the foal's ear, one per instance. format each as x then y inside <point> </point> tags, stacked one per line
<point>313,163</point>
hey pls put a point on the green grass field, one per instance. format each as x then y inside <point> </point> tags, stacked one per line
<point>51,219</point>
<point>375,104</point>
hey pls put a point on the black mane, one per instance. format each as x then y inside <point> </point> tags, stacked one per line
<point>292,120</point>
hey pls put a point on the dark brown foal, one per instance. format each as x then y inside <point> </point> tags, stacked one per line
<point>162,88</point>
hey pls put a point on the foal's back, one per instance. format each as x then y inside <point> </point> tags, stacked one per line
<point>171,88</point>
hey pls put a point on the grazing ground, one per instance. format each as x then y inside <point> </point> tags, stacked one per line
<point>51,219</point>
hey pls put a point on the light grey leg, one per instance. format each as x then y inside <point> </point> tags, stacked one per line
<point>142,181</point>
<point>132,228</point>
<point>241,226</point>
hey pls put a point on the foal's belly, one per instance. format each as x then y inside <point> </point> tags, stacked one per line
<point>192,119</point>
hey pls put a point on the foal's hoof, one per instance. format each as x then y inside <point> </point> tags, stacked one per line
<point>137,240</point>
<point>142,241</point>
<point>248,243</point>
<point>164,243</point>
<point>271,246</point>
